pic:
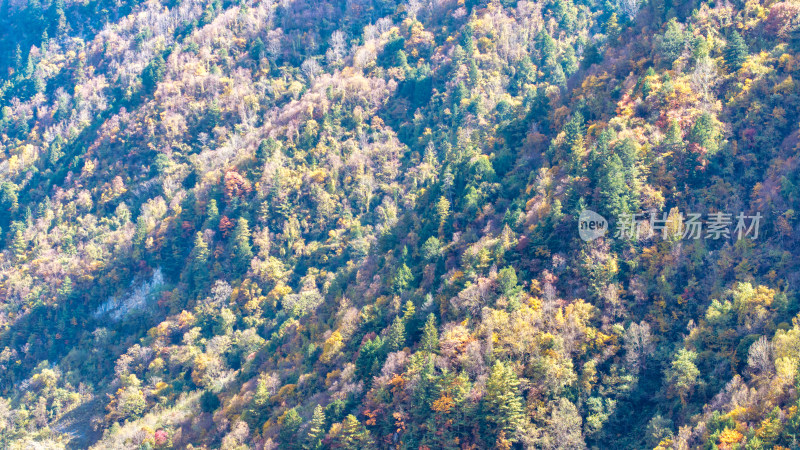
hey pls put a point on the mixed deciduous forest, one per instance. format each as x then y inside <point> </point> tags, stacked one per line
<point>353,224</point>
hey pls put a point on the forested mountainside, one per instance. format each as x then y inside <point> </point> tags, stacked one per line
<point>318,224</point>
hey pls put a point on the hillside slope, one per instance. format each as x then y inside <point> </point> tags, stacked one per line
<point>355,224</point>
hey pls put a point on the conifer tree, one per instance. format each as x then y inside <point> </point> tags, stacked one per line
<point>212,215</point>
<point>546,46</point>
<point>674,136</point>
<point>430,336</point>
<point>291,423</point>
<point>353,435</point>
<point>19,244</point>
<point>18,58</point>
<point>316,430</point>
<point>153,73</point>
<point>65,291</point>
<point>613,188</point>
<point>569,61</point>
<point>704,133</point>
<point>257,51</point>
<point>591,55</point>
<point>503,405</point>
<point>266,149</point>
<point>573,141</point>
<point>402,279</point>
<point>672,43</point>
<point>396,338</point>
<point>556,74</point>
<point>243,250</point>
<point>408,311</point>
<point>682,375</point>
<point>612,27</point>
<point>369,358</point>
<point>467,40</point>
<point>599,153</point>
<point>507,280</point>
<point>736,51</point>
<point>459,93</point>
<point>200,255</point>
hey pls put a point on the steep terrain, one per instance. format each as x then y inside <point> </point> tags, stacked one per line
<point>355,224</point>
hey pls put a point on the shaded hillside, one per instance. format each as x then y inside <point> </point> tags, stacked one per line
<point>355,224</point>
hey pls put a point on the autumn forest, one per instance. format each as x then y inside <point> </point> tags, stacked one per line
<point>322,224</point>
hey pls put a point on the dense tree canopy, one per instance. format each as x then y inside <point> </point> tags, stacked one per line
<point>330,224</point>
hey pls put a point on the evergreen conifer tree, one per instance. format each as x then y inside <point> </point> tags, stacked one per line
<point>736,51</point>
